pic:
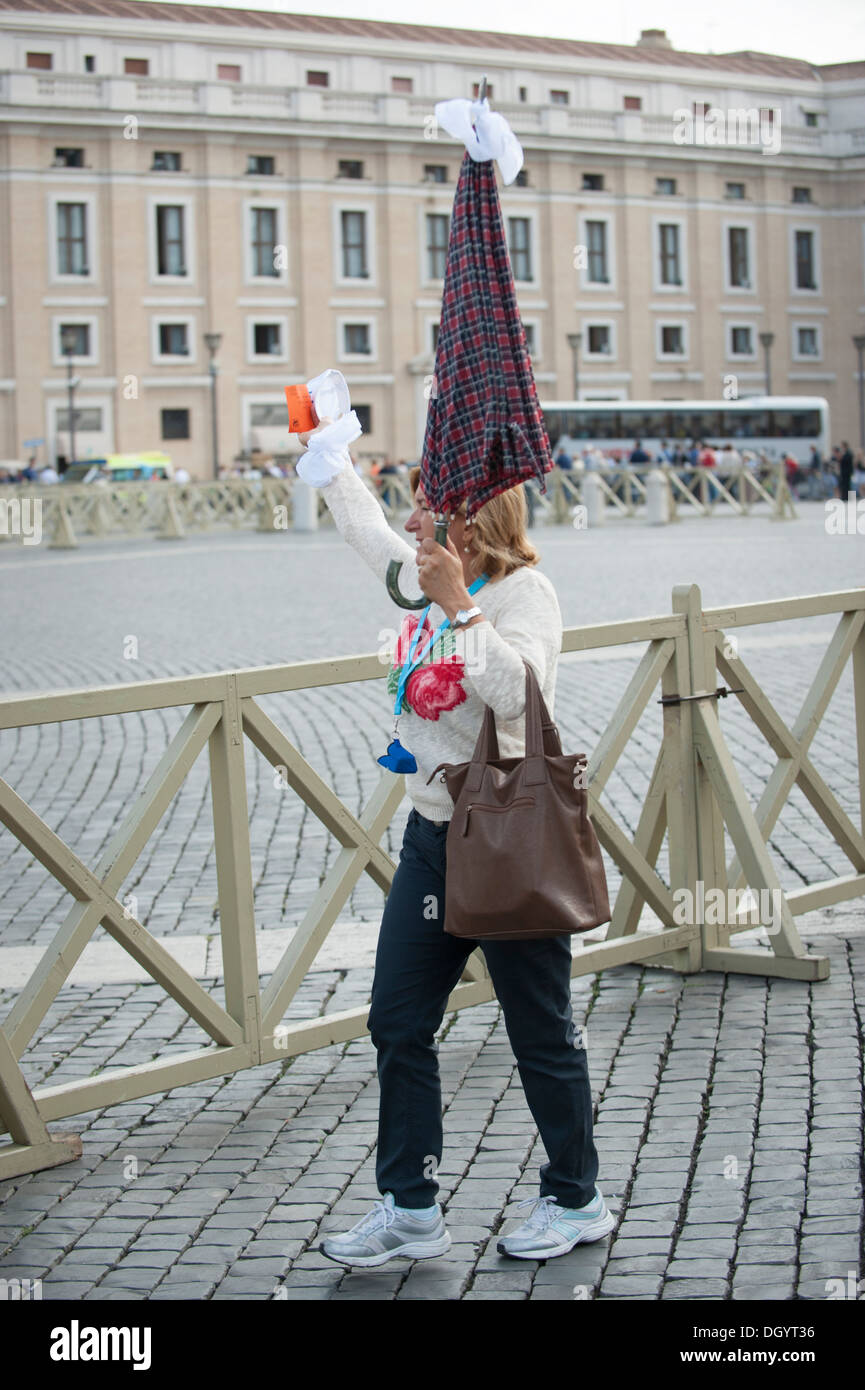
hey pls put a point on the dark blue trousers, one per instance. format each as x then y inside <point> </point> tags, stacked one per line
<point>417,966</point>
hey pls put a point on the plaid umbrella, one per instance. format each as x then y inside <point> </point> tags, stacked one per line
<point>484,429</point>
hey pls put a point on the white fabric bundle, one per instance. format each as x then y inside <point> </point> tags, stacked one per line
<point>485,134</point>
<point>327,452</point>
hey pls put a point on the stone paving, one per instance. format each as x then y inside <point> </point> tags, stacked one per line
<point>728,1107</point>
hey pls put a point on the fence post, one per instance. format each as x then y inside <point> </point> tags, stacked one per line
<point>680,762</point>
<point>711,849</point>
<point>234,870</point>
<point>64,536</point>
<point>859,707</point>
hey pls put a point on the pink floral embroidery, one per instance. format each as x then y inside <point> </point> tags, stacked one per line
<point>404,642</point>
<point>436,688</point>
<point>431,689</point>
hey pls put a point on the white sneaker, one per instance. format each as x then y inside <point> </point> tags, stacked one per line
<point>385,1233</point>
<point>554,1230</point>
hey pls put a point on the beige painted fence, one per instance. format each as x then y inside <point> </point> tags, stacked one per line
<point>169,511</point>
<point>694,793</point>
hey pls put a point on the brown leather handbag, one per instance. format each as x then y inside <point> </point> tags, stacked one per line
<point>523,858</point>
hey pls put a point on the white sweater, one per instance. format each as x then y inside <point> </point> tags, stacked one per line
<point>468,668</point>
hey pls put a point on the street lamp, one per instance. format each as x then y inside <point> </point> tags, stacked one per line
<point>68,343</point>
<point>766,341</point>
<point>859,344</point>
<point>211,342</point>
<point>574,340</point>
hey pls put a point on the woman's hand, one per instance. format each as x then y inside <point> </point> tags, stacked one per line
<point>441,576</point>
<point>307,434</point>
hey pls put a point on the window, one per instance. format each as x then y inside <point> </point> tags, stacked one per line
<point>88,419</point>
<point>173,340</point>
<point>767,115</point>
<point>593,183</point>
<point>260,164</point>
<point>317,79</point>
<point>40,60</point>
<point>734,190</point>
<point>522,179</point>
<point>598,268</point>
<point>807,342</point>
<point>811,118</point>
<point>228,72</point>
<point>166,161</point>
<point>264,415</point>
<point>633,103</point>
<point>175,424</point>
<point>801,195</point>
<point>402,84</point>
<point>170,254</point>
<point>89,63</point>
<point>524,93</point>
<point>356,339</point>
<point>350,169</point>
<point>701,108</point>
<point>263,243</point>
<point>435,173</point>
<point>530,330</point>
<point>668,245</point>
<point>364,415</point>
<point>266,339</point>
<point>741,341</point>
<point>558,97</point>
<point>665,186</point>
<point>81,346</point>
<point>805,261</point>
<point>68,159</point>
<point>434,335</point>
<point>136,67</point>
<point>672,340</point>
<point>476,90</point>
<point>72,239</point>
<point>437,232</point>
<point>737,251</point>
<point>598,338</point>
<point>519,242</point>
<point>354,262</point>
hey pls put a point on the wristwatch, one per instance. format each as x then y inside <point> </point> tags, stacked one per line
<point>465,615</point>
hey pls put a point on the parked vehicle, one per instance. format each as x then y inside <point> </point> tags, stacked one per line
<point>122,468</point>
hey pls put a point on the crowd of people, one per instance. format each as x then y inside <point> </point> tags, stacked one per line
<point>843,472</point>
<point>818,478</point>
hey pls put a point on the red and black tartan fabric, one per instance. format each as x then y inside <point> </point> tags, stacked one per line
<point>484,429</point>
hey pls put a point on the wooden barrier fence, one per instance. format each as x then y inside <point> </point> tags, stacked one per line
<point>694,793</point>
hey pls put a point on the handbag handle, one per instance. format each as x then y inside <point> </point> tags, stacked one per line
<point>542,737</point>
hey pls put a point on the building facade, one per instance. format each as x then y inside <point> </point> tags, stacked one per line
<point>169,172</point>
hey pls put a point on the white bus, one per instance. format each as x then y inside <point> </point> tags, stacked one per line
<point>769,425</point>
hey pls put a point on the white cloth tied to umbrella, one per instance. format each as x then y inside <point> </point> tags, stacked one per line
<point>485,134</point>
<point>327,452</point>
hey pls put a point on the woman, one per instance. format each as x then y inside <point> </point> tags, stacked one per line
<point>488,566</point>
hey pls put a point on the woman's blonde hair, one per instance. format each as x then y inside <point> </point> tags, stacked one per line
<point>499,525</point>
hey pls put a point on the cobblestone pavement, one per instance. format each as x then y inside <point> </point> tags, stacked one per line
<point>728,1107</point>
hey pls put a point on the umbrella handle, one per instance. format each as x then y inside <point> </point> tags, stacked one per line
<point>393,571</point>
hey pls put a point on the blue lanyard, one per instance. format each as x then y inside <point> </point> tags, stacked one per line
<point>410,665</point>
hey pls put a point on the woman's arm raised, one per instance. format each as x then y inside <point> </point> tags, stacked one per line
<point>361,521</point>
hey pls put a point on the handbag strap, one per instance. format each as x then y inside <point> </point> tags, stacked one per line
<point>542,737</point>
